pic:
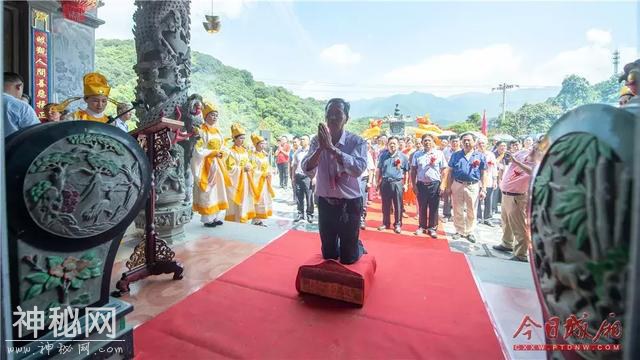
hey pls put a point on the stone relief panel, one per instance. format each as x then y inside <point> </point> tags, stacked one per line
<point>580,225</point>
<point>82,185</point>
<point>73,56</point>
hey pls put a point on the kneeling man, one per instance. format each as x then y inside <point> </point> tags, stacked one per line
<point>338,158</point>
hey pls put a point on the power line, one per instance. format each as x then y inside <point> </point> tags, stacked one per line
<point>320,84</point>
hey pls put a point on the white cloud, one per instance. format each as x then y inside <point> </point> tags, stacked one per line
<point>599,37</point>
<point>340,54</point>
<point>469,70</point>
<point>480,69</point>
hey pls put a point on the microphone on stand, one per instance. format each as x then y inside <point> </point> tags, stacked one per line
<point>134,104</point>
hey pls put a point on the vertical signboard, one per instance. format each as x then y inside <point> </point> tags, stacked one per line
<point>40,67</point>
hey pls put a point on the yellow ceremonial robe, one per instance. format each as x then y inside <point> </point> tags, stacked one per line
<point>84,115</point>
<point>241,192</point>
<point>262,179</point>
<point>210,177</point>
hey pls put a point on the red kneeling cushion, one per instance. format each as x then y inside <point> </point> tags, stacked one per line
<point>331,279</point>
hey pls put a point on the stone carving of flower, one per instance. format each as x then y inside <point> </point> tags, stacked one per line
<point>67,273</point>
<point>69,269</point>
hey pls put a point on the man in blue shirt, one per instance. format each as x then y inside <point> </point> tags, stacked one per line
<point>392,181</point>
<point>17,113</point>
<point>466,183</point>
<point>426,175</point>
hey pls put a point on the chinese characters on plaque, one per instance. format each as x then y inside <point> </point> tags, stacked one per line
<point>41,71</point>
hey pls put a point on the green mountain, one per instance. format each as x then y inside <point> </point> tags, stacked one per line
<point>445,111</point>
<point>256,105</point>
<point>241,99</point>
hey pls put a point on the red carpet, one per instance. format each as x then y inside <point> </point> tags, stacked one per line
<point>423,304</point>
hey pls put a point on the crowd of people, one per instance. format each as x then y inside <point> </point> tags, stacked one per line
<point>466,176</point>
<point>462,179</point>
<point>463,175</point>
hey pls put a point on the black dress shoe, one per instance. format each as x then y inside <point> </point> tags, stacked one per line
<point>519,258</point>
<point>471,238</point>
<point>210,224</point>
<point>502,248</point>
<point>218,222</point>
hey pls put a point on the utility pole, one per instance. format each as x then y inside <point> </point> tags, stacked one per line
<point>504,87</point>
<point>616,62</point>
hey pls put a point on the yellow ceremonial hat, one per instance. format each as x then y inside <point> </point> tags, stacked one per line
<point>237,130</point>
<point>625,91</point>
<point>95,84</point>
<point>256,139</point>
<point>208,108</point>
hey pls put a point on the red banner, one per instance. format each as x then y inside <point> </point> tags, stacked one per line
<point>40,71</point>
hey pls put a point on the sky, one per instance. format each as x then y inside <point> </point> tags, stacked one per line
<point>367,49</point>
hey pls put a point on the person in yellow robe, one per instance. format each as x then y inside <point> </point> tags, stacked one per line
<point>209,170</point>
<point>262,179</point>
<point>241,193</point>
<point>96,95</point>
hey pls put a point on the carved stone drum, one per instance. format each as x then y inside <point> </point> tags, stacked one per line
<point>580,221</point>
<point>72,189</point>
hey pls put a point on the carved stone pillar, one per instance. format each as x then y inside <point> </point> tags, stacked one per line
<point>162,38</point>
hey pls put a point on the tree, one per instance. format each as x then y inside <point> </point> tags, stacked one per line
<point>529,119</point>
<point>475,119</point>
<point>608,90</point>
<point>464,126</point>
<point>575,91</point>
<point>472,123</point>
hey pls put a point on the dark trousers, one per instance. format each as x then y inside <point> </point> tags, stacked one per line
<point>428,201</point>
<point>446,208</point>
<point>497,199</point>
<point>339,225</point>
<point>391,193</point>
<point>484,206</point>
<point>283,170</point>
<point>303,191</point>
<point>364,187</point>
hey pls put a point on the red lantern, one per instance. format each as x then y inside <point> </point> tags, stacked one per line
<point>76,10</point>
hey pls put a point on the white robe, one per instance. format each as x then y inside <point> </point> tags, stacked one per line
<point>210,175</point>
<point>241,193</point>
<point>262,180</point>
